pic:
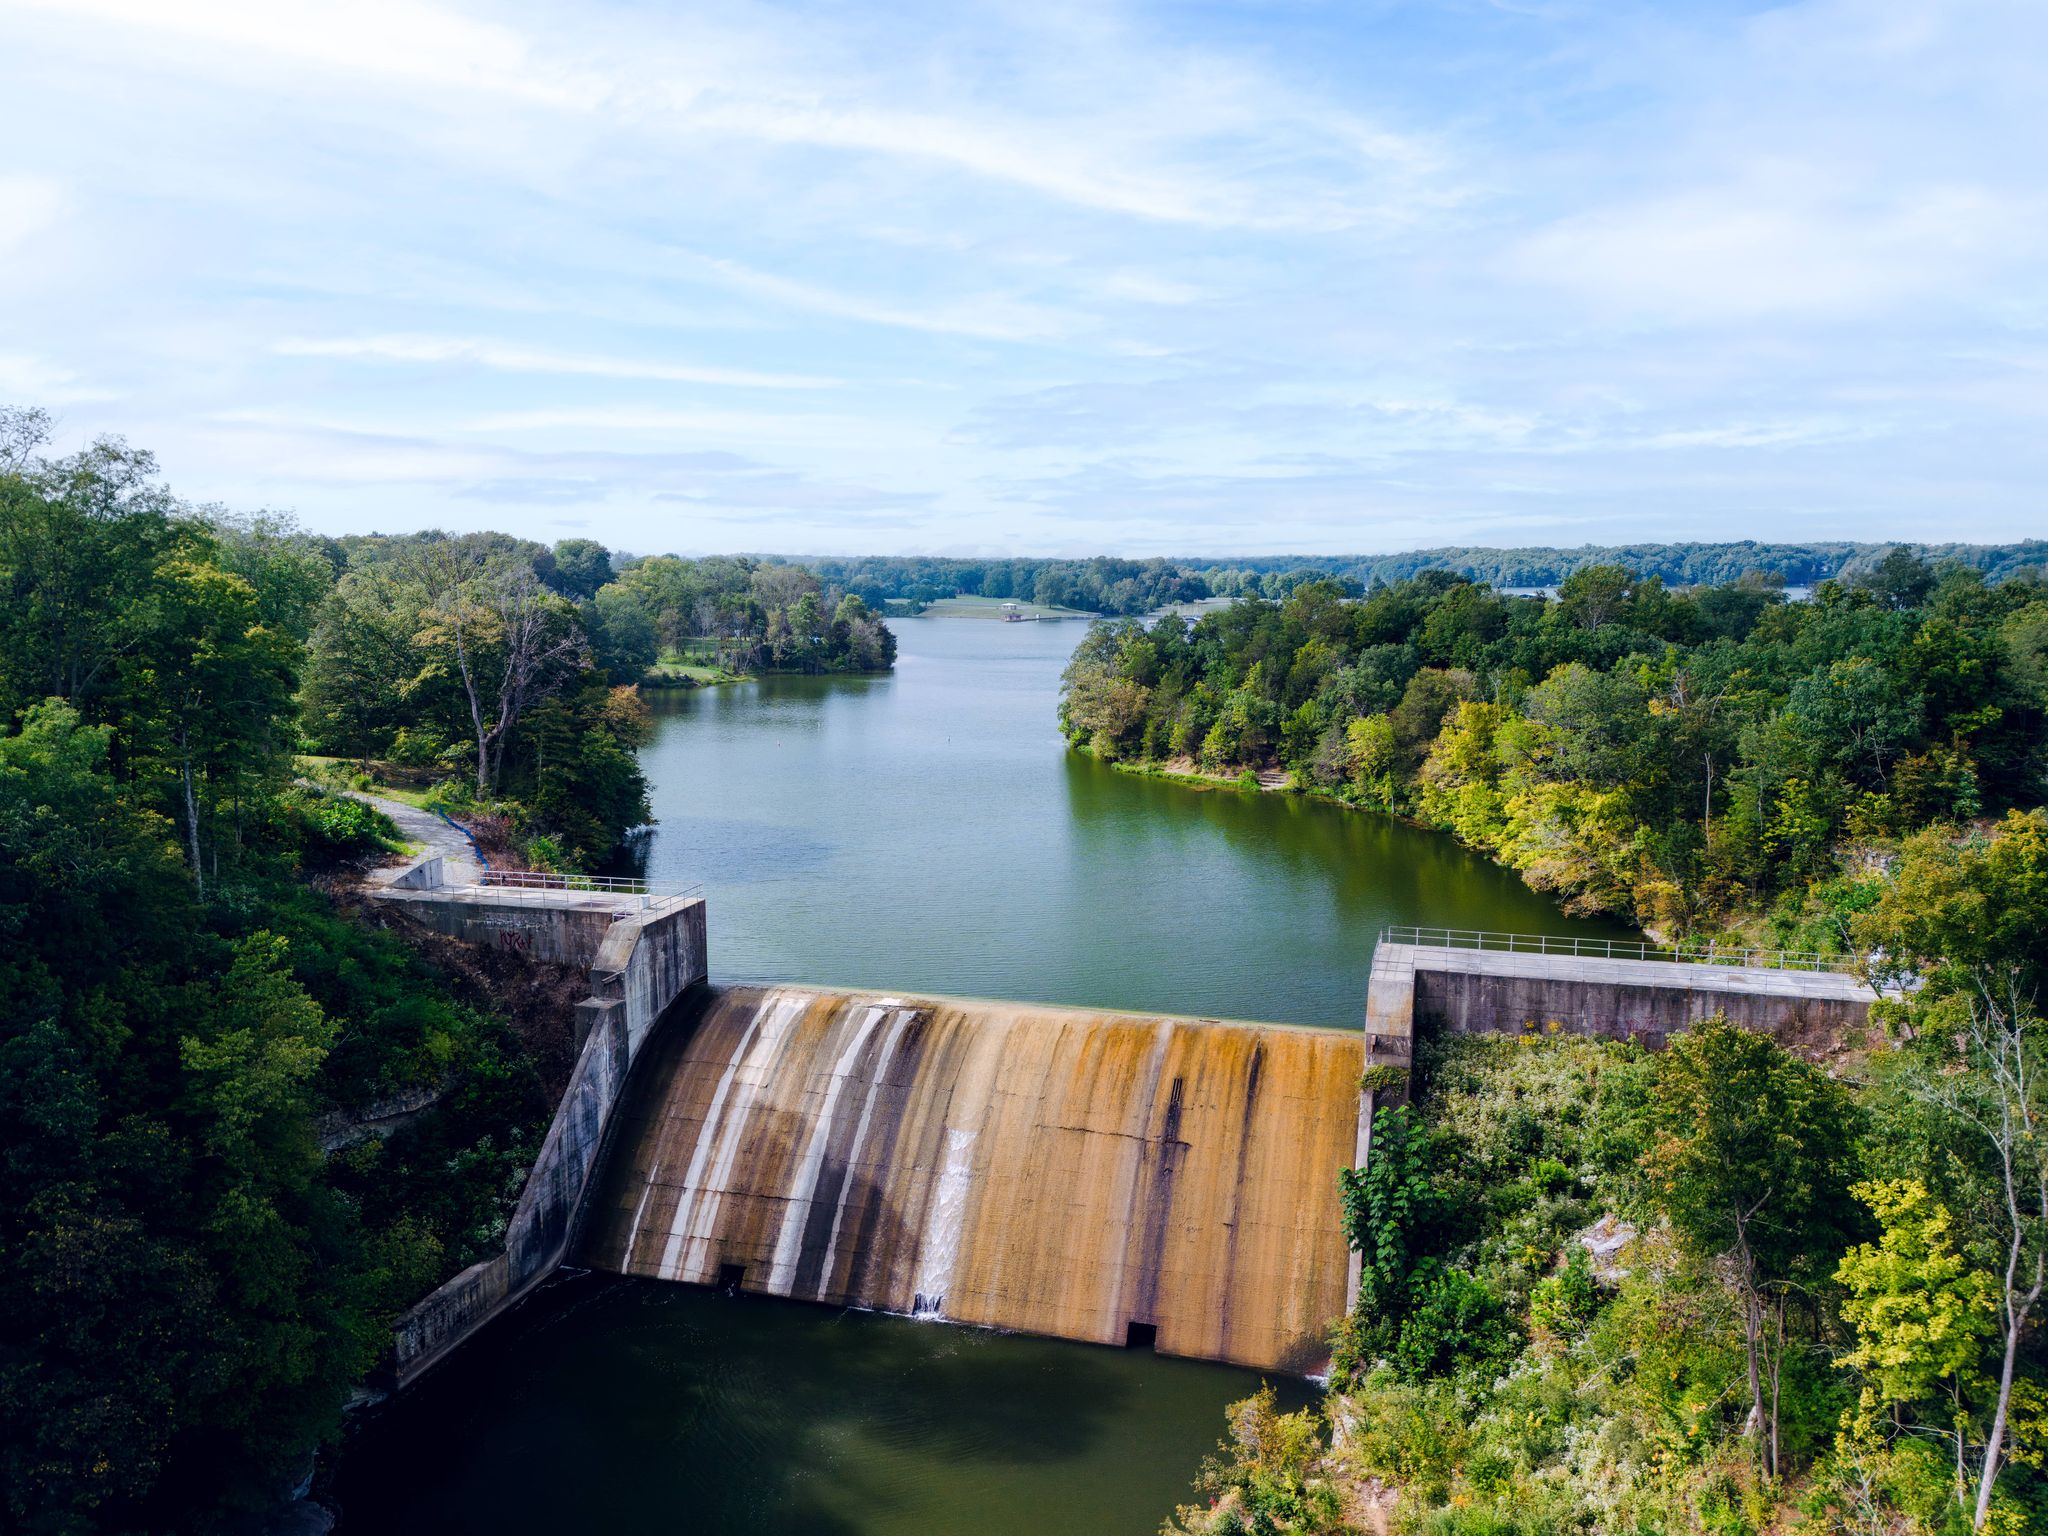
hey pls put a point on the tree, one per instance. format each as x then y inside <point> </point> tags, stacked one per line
<point>1369,748</point>
<point>623,639</point>
<point>1593,596</point>
<point>510,641</point>
<point>222,687</point>
<point>359,659</point>
<point>1859,715</point>
<point>1748,1160</point>
<point>582,567</point>
<point>1921,1315</point>
<point>1900,580</point>
<point>79,538</point>
<point>1966,914</point>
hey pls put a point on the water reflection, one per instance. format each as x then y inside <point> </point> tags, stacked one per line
<point>637,1406</point>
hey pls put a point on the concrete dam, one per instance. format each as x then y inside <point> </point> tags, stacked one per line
<point>1110,1177</point>
<point>1099,1176</point>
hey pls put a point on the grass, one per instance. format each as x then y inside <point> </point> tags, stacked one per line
<point>693,668</point>
<point>992,608</point>
<point>344,770</point>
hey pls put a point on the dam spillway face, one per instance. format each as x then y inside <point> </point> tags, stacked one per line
<point>1056,1171</point>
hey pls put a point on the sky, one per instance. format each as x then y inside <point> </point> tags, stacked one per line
<point>1044,277</point>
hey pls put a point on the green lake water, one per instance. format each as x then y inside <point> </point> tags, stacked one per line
<point>924,831</point>
<point>928,831</point>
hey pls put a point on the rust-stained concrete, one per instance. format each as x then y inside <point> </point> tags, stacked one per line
<point>1050,1170</point>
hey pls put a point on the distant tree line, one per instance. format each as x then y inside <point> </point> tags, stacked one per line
<point>1123,588</point>
<point>1676,565</point>
<point>1101,585</point>
<point>758,615</point>
<point>1678,758</point>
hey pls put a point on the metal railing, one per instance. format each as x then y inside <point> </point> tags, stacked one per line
<point>540,884</point>
<point>468,837</point>
<point>1684,953</point>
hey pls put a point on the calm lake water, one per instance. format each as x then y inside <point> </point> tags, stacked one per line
<point>928,831</point>
<point>925,831</point>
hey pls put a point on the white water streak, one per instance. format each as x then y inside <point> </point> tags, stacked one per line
<point>803,1186</point>
<point>899,1022</point>
<point>940,1250</point>
<point>764,1032</point>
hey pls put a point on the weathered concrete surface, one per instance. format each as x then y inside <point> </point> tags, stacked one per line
<point>642,957</point>
<point>1050,1170</point>
<point>565,927</point>
<point>1473,991</point>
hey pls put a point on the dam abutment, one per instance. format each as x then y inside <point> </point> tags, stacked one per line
<point>643,954</point>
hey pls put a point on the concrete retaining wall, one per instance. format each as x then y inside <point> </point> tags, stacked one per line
<point>641,962</point>
<point>563,931</point>
<point>1468,1004</point>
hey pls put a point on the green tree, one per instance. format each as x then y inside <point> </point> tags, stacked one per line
<point>491,627</point>
<point>623,639</point>
<point>212,697</point>
<point>1594,595</point>
<point>581,568</point>
<point>359,659</point>
<point>1921,1315</point>
<point>1749,1161</point>
<point>79,541</point>
<point>1369,747</point>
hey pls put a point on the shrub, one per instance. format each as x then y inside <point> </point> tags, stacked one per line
<point>1454,1323</point>
<point>1268,1478</point>
<point>1564,1302</point>
<point>417,747</point>
<point>334,827</point>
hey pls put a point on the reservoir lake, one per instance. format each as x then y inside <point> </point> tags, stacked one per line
<point>925,831</point>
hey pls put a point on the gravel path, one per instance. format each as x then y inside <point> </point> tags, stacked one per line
<point>431,834</point>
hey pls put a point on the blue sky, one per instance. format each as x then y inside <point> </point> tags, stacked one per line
<point>1044,277</point>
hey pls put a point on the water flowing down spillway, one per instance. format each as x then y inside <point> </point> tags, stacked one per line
<point>1050,1170</point>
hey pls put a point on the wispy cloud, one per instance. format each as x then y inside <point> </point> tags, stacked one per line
<point>28,206</point>
<point>512,358</point>
<point>30,380</point>
<point>993,318</point>
<point>398,39</point>
<point>1036,277</point>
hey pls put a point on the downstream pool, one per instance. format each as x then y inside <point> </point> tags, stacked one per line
<point>924,831</point>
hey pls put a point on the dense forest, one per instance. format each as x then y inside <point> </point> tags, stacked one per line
<point>1692,759</point>
<point>1724,1288</point>
<point>1737,1286</point>
<point>205,1246</point>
